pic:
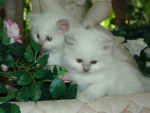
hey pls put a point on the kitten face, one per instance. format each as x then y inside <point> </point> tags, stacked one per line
<point>48,30</point>
<point>88,52</point>
<point>48,37</point>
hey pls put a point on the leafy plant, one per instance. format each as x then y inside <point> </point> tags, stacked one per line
<point>28,76</point>
<point>137,27</point>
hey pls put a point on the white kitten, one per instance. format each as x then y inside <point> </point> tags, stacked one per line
<point>48,31</point>
<point>94,65</point>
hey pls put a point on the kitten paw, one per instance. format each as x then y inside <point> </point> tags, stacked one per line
<point>85,97</point>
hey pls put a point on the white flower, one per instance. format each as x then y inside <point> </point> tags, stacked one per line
<point>135,46</point>
<point>12,31</point>
<point>147,51</point>
<point>147,64</point>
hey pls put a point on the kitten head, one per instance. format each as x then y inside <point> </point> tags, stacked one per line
<point>87,51</point>
<point>48,30</point>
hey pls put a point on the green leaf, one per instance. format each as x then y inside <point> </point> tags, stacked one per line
<point>40,73</point>
<point>71,93</point>
<point>1,60</point>
<point>57,88</point>
<point>35,46</point>
<point>16,49</point>
<point>7,98</point>
<point>44,74</point>
<point>58,71</point>
<point>3,89</point>
<point>25,92</point>
<point>48,75</point>
<point>10,108</point>
<point>35,92</point>
<point>55,72</point>
<point>46,93</point>
<point>43,60</point>
<point>29,55</point>
<point>61,72</point>
<point>15,109</point>
<point>1,110</point>
<point>18,73</point>
<point>147,11</point>
<point>2,3</point>
<point>20,98</point>
<point>25,79</point>
<point>2,47</point>
<point>6,40</point>
<point>6,107</point>
<point>8,60</point>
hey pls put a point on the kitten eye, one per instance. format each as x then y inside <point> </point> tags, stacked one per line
<point>79,60</point>
<point>93,62</point>
<point>38,36</point>
<point>48,38</point>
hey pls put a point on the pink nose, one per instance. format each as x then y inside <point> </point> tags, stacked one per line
<point>41,44</point>
<point>85,70</point>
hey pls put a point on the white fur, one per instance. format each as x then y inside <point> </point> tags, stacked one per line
<point>109,76</point>
<point>46,24</point>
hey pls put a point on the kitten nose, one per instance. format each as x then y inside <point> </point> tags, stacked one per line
<point>40,43</point>
<point>85,70</point>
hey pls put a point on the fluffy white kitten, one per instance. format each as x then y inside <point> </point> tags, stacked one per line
<point>48,31</point>
<point>94,65</point>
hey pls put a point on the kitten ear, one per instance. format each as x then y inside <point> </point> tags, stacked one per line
<point>107,44</point>
<point>33,17</point>
<point>118,40</point>
<point>63,26</point>
<point>70,40</point>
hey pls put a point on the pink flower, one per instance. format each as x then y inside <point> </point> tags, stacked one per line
<point>4,68</point>
<point>12,31</point>
<point>65,78</point>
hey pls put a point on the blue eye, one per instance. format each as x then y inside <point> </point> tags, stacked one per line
<point>38,36</point>
<point>79,60</point>
<point>93,62</point>
<point>48,38</point>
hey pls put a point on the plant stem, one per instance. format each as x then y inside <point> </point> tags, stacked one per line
<point>6,73</point>
<point>16,64</point>
<point>45,81</point>
<point>27,69</point>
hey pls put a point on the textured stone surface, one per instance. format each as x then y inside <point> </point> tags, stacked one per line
<point>138,103</point>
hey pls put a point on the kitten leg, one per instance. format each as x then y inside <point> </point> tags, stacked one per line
<point>92,92</point>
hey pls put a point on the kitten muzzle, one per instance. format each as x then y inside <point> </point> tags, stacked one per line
<point>86,68</point>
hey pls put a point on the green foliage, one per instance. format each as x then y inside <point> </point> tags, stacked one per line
<point>2,2</point>
<point>16,49</point>
<point>35,46</point>
<point>72,92</point>
<point>27,71</point>
<point>146,6</point>
<point>34,82</point>
<point>43,60</point>
<point>9,108</point>
<point>3,88</point>
<point>27,28</point>
<point>7,59</point>
<point>35,91</point>
<point>3,35</point>
<point>57,88</point>
<point>137,26</point>
<point>29,54</point>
